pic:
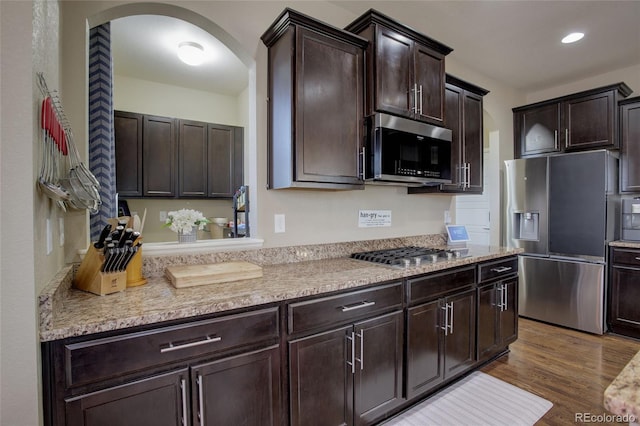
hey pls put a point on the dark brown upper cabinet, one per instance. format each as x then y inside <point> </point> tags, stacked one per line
<point>630,145</point>
<point>316,97</point>
<point>464,110</point>
<point>163,157</point>
<point>128,130</point>
<point>581,121</point>
<point>405,69</point>
<point>158,156</point>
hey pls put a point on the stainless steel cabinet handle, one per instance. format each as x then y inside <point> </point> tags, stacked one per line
<point>364,162</point>
<point>451,322</point>
<point>446,319</point>
<point>361,359</point>
<point>555,139</point>
<point>637,258</point>
<point>200,400</point>
<point>420,99</point>
<point>209,339</point>
<point>501,304</point>
<point>468,175</point>
<point>566,138</point>
<point>505,305</point>
<point>352,363</point>
<point>360,305</point>
<point>501,269</point>
<point>183,391</point>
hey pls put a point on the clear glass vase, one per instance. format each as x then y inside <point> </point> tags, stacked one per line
<point>188,237</point>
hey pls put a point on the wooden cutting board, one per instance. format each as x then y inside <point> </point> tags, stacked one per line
<point>192,275</point>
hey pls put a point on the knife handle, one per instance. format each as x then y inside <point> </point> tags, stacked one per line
<point>103,235</point>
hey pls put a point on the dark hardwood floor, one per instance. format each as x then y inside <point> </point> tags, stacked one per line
<point>567,367</point>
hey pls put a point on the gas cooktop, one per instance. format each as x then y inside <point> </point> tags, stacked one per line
<point>408,256</point>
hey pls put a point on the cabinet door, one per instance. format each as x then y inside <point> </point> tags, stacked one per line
<point>321,382</point>
<point>460,339</point>
<point>379,367</point>
<point>128,144</point>
<point>240,390</point>
<point>425,367</point>
<point>329,110</point>
<point>509,314</point>
<point>429,80</point>
<point>624,311</point>
<point>221,161</point>
<point>589,121</point>
<point>538,130</point>
<point>159,159</point>
<point>394,68</point>
<point>630,148</point>
<point>155,401</point>
<point>473,140</point>
<point>192,159</point>
<point>488,333</point>
<point>453,120</point>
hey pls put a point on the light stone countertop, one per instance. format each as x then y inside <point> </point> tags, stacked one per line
<point>67,312</point>
<point>622,397</point>
<point>625,244</point>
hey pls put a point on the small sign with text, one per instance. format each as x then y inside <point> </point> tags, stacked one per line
<point>374,218</point>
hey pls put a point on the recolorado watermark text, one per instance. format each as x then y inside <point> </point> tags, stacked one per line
<point>604,418</point>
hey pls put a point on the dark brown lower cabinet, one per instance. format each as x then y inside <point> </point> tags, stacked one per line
<point>239,390</point>
<point>154,401</point>
<point>351,375</point>
<point>497,317</point>
<point>440,341</point>
<point>624,292</point>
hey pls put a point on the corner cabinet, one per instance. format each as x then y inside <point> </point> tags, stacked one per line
<point>315,104</point>
<point>223,370</point>
<point>624,291</point>
<point>581,121</point>
<point>405,69</point>
<point>630,145</point>
<point>464,116</point>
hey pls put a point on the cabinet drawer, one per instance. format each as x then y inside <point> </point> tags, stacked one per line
<point>627,257</point>
<point>100,359</point>
<point>319,313</point>
<point>430,286</point>
<point>498,269</point>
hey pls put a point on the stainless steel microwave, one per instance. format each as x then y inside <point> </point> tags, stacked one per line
<point>406,152</point>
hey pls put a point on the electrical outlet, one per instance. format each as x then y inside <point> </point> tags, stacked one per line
<point>163,216</point>
<point>278,223</point>
<point>61,228</point>
<point>49,237</point>
<point>447,217</point>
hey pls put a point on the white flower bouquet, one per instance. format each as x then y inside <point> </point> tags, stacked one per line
<point>184,220</point>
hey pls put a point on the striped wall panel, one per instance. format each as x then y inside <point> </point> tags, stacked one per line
<point>101,133</point>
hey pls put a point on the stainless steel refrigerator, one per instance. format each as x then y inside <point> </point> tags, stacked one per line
<point>563,210</point>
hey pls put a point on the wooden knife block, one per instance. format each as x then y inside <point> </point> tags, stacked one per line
<point>90,278</point>
<point>134,270</point>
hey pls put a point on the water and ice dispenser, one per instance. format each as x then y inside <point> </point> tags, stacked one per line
<point>527,226</point>
<point>631,219</point>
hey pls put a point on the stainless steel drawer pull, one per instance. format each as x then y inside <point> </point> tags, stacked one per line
<point>200,400</point>
<point>501,269</point>
<point>209,339</point>
<point>637,258</point>
<point>360,305</point>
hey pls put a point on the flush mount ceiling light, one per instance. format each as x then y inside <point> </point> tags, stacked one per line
<point>191,53</point>
<point>572,38</point>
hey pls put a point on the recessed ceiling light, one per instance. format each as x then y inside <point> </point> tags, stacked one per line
<point>572,38</point>
<point>191,53</point>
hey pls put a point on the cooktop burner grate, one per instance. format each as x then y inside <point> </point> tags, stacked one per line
<point>396,256</point>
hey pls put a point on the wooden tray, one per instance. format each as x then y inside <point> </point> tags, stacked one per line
<point>192,275</point>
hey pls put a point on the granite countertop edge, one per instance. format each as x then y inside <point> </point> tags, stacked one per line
<point>625,244</point>
<point>66,312</point>
<point>622,396</point>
